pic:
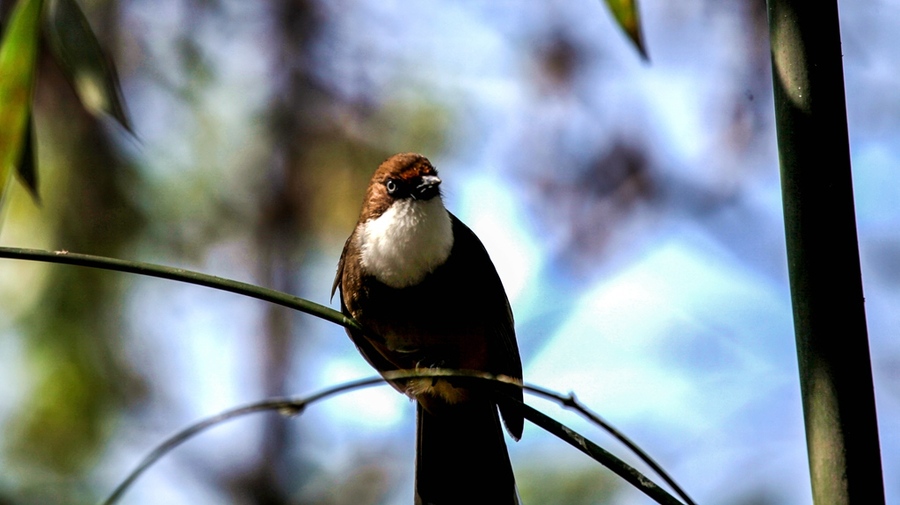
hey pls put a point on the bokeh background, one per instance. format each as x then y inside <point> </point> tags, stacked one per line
<point>633,211</point>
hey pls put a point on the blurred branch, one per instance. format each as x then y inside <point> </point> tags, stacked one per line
<point>293,407</point>
<point>180,274</point>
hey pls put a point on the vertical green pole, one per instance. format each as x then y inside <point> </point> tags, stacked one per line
<point>823,254</point>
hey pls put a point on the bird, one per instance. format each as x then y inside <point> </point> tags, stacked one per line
<point>426,294</point>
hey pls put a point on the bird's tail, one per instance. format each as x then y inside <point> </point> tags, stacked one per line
<point>461,457</point>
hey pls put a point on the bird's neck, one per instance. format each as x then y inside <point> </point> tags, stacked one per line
<point>406,242</point>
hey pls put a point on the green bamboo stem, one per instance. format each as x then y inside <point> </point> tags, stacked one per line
<point>823,254</point>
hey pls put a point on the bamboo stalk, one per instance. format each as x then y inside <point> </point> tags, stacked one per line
<point>823,254</point>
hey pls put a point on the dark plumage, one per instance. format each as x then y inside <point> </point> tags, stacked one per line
<point>424,288</point>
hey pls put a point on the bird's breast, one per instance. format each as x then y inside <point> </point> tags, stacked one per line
<point>406,242</point>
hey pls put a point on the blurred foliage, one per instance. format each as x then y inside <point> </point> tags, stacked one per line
<point>27,167</point>
<point>79,381</point>
<point>86,65</point>
<point>18,62</point>
<point>562,485</point>
<point>77,51</point>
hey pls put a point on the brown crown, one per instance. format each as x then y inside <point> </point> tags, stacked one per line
<point>403,166</point>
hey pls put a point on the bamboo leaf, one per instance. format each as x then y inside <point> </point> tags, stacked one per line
<point>18,58</point>
<point>26,169</point>
<point>85,63</point>
<point>626,14</point>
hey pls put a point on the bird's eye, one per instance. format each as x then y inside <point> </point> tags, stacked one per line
<point>392,186</point>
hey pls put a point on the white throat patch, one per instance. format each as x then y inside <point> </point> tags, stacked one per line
<point>407,242</point>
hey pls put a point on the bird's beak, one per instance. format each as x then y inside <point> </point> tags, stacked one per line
<point>428,188</point>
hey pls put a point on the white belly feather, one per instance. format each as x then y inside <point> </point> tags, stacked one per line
<point>407,242</point>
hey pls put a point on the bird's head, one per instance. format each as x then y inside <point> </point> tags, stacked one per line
<point>404,230</point>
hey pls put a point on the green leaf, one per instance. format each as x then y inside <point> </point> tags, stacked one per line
<point>18,58</point>
<point>626,14</point>
<point>88,68</point>
<point>26,169</point>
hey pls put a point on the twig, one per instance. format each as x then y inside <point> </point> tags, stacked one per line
<point>180,274</point>
<point>569,401</point>
<point>599,454</point>
<point>328,314</point>
<point>297,406</point>
<point>287,406</point>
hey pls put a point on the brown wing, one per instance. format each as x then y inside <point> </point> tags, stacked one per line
<point>338,277</point>
<point>363,344</point>
<point>502,347</point>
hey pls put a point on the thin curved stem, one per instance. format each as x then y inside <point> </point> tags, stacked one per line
<point>287,406</point>
<point>328,314</point>
<point>569,401</point>
<point>297,406</point>
<point>180,274</point>
<point>599,454</point>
